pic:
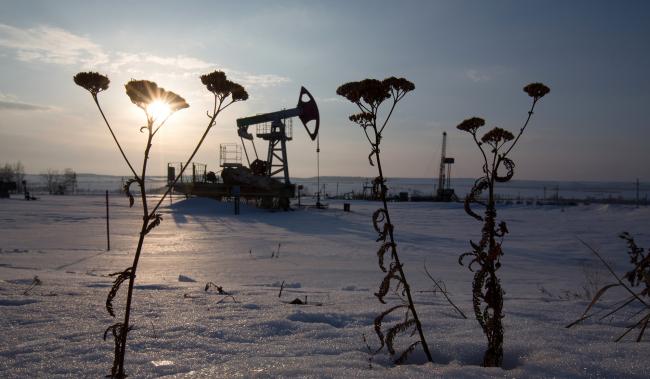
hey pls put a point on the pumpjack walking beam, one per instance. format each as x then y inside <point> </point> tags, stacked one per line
<point>306,110</point>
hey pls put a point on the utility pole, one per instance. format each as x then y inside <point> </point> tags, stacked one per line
<point>108,231</point>
<point>637,192</point>
<point>441,172</point>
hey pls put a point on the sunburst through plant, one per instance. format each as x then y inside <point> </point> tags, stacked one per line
<point>159,110</point>
<point>158,104</point>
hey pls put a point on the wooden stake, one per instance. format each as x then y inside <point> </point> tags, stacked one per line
<point>108,230</point>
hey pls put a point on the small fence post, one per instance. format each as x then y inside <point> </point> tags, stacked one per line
<point>108,231</point>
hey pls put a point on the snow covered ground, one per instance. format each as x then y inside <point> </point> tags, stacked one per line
<point>325,256</point>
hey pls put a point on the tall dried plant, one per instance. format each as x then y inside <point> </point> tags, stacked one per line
<point>146,94</point>
<point>368,95</point>
<point>638,276</point>
<point>487,294</point>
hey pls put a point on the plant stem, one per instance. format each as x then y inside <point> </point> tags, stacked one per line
<point>143,231</point>
<point>494,355</point>
<point>444,293</point>
<point>521,131</point>
<point>189,160</point>
<point>407,288</point>
<point>611,271</point>
<point>115,138</point>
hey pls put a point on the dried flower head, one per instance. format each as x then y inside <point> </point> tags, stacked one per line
<point>496,136</point>
<point>350,91</point>
<point>363,118</point>
<point>536,90</point>
<point>217,83</point>
<point>144,92</point>
<point>238,92</point>
<point>398,84</point>
<point>93,82</point>
<point>173,100</point>
<point>470,125</point>
<point>371,91</point>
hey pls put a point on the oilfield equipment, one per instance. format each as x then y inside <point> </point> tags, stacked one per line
<point>265,180</point>
<point>445,192</point>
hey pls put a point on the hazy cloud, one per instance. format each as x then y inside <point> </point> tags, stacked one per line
<point>487,73</point>
<point>336,99</point>
<point>263,80</point>
<point>477,76</point>
<point>184,66</point>
<point>50,45</point>
<point>20,106</point>
<point>181,62</point>
<point>55,45</point>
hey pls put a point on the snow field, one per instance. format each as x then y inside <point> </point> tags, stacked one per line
<point>55,329</point>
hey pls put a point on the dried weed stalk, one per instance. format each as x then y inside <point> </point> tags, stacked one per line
<point>638,276</point>
<point>35,282</point>
<point>220,290</point>
<point>368,95</point>
<point>441,288</point>
<point>158,105</point>
<point>487,294</point>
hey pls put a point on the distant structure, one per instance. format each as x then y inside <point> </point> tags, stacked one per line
<point>5,188</point>
<point>267,180</point>
<point>445,192</point>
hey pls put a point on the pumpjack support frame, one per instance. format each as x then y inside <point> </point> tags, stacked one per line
<point>260,181</point>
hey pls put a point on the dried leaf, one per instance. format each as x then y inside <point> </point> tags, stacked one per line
<point>157,218</point>
<point>117,330</point>
<point>477,248</point>
<point>597,296</point>
<point>392,333</point>
<point>502,230</point>
<point>379,319</point>
<point>127,191</point>
<point>479,186</point>
<point>380,253</point>
<point>640,273</point>
<point>477,295</point>
<point>385,283</point>
<point>388,228</point>
<point>510,167</point>
<point>120,278</point>
<point>378,217</point>
<point>402,358</point>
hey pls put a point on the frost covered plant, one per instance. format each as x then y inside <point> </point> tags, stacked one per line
<point>487,294</point>
<point>368,95</point>
<point>158,105</point>
<point>637,277</point>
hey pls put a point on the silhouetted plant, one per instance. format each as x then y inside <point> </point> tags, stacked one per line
<point>441,288</point>
<point>35,282</point>
<point>220,290</point>
<point>487,294</point>
<point>146,94</point>
<point>368,95</point>
<point>638,276</point>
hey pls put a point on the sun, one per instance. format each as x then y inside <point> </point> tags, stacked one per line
<point>158,110</point>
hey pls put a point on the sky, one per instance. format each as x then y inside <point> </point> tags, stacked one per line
<point>466,58</point>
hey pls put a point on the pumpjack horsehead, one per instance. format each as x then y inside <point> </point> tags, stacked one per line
<point>276,134</point>
<point>260,180</point>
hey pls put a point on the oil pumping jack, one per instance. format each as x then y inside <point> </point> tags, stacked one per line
<point>267,180</point>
